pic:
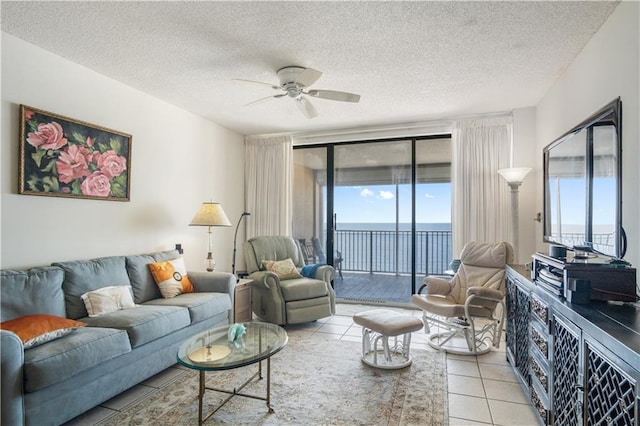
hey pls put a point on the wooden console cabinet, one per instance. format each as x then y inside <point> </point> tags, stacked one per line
<point>579,364</point>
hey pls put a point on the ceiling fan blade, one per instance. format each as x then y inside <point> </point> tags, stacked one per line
<point>306,107</point>
<point>308,77</point>
<point>273,86</point>
<point>258,101</point>
<point>334,95</point>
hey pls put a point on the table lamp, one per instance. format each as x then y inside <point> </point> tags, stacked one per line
<point>210,214</point>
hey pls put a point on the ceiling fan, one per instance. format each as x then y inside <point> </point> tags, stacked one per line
<point>295,82</point>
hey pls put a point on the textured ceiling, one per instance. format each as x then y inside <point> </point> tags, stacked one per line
<point>410,61</point>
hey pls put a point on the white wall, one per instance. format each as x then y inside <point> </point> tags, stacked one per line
<point>178,161</point>
<point>607,67</point>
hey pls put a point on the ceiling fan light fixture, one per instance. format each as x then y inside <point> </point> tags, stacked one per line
<point>293,82</point>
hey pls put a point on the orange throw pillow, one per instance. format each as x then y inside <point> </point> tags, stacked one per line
<point>37,329</point>
<point>171,277</point>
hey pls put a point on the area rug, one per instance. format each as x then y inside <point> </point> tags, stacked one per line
<point>313,382</point>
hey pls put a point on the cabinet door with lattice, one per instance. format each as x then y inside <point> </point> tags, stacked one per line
<point>611,390</point>
<point>567,374</point>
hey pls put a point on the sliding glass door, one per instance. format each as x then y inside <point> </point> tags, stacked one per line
<point>372,212</point>
<point>379,211</point>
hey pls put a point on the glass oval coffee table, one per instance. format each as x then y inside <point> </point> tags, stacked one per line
<point>211,350</point>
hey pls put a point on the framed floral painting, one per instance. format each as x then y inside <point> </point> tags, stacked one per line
<point>63,157</point>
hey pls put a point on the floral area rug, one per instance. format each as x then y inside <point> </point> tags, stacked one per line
<point>313,382</point>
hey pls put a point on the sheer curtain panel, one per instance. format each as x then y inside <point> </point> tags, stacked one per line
<point>268,173</point>
<point>480,196</point>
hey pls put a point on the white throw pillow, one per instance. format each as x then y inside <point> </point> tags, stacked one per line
<point>108,299</point>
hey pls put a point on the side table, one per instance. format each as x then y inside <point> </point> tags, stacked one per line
<point>242,301</point>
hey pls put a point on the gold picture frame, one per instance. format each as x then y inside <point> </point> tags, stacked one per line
<point>65,157</point>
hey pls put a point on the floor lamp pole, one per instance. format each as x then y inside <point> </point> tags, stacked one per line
<point>235,237</point>
<point>515,226</point>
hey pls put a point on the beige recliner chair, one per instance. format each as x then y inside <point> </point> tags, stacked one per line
<point>278,297</point>
<point>470,304</point>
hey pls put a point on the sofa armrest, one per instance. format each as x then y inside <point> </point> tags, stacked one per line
<point>213,282</point>
<point>11,390</point>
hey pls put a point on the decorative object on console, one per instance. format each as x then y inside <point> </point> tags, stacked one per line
<point>514,177</point>
<point>64,157</point>
<point>235,237</point>
<point>210,214</point>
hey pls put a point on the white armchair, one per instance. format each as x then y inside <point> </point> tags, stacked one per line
<point>475,292</point>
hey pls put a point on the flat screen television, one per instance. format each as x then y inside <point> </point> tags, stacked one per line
<point>582,186</point>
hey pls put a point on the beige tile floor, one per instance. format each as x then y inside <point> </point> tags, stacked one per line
<point>482,390</point>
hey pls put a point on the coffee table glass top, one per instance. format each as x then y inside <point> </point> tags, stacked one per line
<point>211,350</point>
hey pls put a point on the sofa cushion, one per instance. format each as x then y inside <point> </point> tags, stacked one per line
<point>34,330</point>
<point>142,282</point>
<point>201,306</point>
<point>143,323</point>
<point>303,288</point>
<point>82,276</point>
<point>35,291</point>
<point>70,355</point>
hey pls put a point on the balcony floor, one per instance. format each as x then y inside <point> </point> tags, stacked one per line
<point>363,287</point>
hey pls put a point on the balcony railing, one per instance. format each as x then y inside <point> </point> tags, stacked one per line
<point>390,251</point>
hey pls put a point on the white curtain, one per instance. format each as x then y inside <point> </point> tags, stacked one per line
<point>481,203</point>
<point>268,174</point>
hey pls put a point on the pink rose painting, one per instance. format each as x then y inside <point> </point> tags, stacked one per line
<point>61,156</point>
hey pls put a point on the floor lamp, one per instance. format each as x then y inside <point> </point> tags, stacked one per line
<point>210,214</point>
<point>514,177</point>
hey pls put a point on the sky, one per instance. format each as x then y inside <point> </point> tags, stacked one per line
<point>377,203</point>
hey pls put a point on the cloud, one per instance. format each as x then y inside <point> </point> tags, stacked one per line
<point>366,193</point>
<point>429,196</point>
<point>386,195</point>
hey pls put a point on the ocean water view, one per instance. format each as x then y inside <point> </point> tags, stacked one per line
<point>385,248</point>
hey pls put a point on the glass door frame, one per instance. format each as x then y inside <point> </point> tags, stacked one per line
<point>330,206</point>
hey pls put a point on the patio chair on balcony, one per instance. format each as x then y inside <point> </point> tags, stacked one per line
<point>470,304</point>
<point>318,252</point>
<point>319,255</point>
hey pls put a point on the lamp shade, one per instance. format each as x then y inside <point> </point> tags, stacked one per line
<point>210,214</point>
<point>514,174</point>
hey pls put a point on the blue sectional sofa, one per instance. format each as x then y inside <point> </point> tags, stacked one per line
<point>59,380</point>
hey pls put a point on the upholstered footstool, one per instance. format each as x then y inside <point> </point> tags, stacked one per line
<point>377,326</point>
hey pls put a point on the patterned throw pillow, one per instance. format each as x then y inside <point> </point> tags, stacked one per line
<point>37,329</point>
<point>171,277</point>
<point>285,269</point>
<point>108,299</point>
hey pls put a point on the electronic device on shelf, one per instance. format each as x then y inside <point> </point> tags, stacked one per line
<point>582,280</point>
